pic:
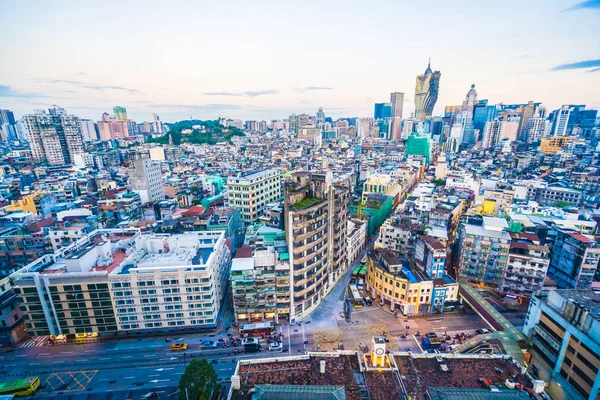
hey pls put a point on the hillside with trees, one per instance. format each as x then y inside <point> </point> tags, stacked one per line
<point>212,133</point>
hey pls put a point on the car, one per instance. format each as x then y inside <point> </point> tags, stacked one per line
<point>433,351</point>
<point>431,335</point>
<point>208,344</point>
<point>482,331</point>
<point>179,346</point>
<point>368,300</point>
<point>275,346</point>
<point>364,259</point>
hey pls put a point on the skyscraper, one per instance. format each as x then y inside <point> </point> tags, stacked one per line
<point>426,93</point>
<point>320,116</point>
<point>120,113</point>
<point>382,110</point>
<point>88,130</point>
<point>8,125</point>
<point>561,121</point>
<point>525,116</point>
<point>54,137</point>
<point>467,117</point>
<point>157,124</point>
<point>397,100</point>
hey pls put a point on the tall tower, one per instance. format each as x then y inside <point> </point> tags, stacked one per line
<point>120,113</point>
<point>426,93</point>
<point>320,116</point>
<point>468,107</point>
<point>397,100</point>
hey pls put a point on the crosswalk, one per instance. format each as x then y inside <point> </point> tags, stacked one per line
<point>37,341</point>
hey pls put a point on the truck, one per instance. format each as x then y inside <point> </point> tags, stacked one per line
<point>430,343</point>
<point>251,345</point>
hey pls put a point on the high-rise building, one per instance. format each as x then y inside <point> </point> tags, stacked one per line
<point>146,180</point>
<point>364,127</point>
<point>250,192</point>
<point>564,327</point>
<point>316,221</point>
<point>397,101</point>
<point>382,110</point>
<point>468,107</point>
<point>419,143</point>
<point>157,125</point>
<point>54,137</point>
<point>526,115</point>
<point>426,93</point>
<point>491,134</point>
<point>537,128</point>
<point>120,113</point>
<point>111,128</point>
<point>293,123</point>
<point>320,116</point>
<point>561,121</point>
<point>574,259</point>
<point>8,126</point>
<point>484,252</point>
<point>88,130</point>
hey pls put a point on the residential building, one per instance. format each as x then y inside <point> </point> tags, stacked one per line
<point>430,256</point>
<point>380,183</point>
<point>316,224</point>
<point>357,238</point>
<point>426,93</point>
<point>561,121</point>
<point>145,179</point>
<point>17,250</point>
<point>397,236</point>
<point>419,144</point>
<point>574,259</point>
<point>260,280</point>
<point>484,252</point>
<point>111,128</point>
<point>66,236</point>
<point>527,265</point>
<point>250,192</point>
<point>12,325</point>
<point>553,144</point>
<point>8,126</point>
<point>54,137</point>
<point>397,101</point>
<point>88,130</point>
<point>564,328</point>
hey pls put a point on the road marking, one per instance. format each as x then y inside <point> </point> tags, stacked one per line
<point>127,357</point>
<point>105,358</point>
<point>135,347</point>
<point>22,355</point>
<point>148,355</point>
<point>58,362</point>
<point>41,354</point>
<point>34,363</point>
<point>89,351</point>
<point>417,342</point>
<point>224,369</point>
<point>81,360</point>
<point>159,380</point>
<point>129,377</point>
<point>163,369</point>
<point>66,352</point>
<point>154,375</point>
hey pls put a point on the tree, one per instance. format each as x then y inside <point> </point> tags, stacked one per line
<point>198,381</point>
<point>439,182</point>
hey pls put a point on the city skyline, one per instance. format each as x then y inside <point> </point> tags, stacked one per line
<point>247,71</point>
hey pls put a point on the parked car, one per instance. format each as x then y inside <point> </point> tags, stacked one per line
<point>433,351</point>
<point>432,335</point>
<point>275,346</point>
<point>179,346</point>
<point>482,331</point>
<point>368,300</point>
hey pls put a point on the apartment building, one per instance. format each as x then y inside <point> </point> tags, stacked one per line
<point>381,183</point>
<point>260,280</point>
<point>527,265</point>
<point>398,236</point>
<point>574,259</point>
<point>17,250</point>
<point>12,325</point>
<point>484,252</point>
<point>564,328</point>
<point>145,178</point>
<point>67,235</point>
<point>316,224</point>
<point>171,281</point>
<point>54,137</point>
<point>430,256</point>
<point>251,192</point>
<point>357,238</point>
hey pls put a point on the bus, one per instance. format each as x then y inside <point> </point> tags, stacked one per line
<point>259,329</point>
<point>21,387</point>
<point>355,296</point>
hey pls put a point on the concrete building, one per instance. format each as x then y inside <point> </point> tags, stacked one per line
<point>430,256</point>
<point>426,93</point>
<point>54,137</point>
<point>564,328</point>
<point>357,237</point>
<point>380,183</point>
<point>574,259</point>
<point>484,252</point>
<point>112,128</point>
<point>397,101</point>
<point>250,192</point>
<point>120,113</point>
<point>88,130</point>
<point>527,265</point>
<point>553,144</point>
<point>561,121</point>
<point>146,180</point>
<point>171,281</point>
<point>316,213</point>
<point>12,325</point>
<point>260,281</point>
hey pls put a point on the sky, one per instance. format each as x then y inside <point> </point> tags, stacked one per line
<point>267,59</point>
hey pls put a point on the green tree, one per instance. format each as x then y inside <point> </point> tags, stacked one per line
<point>439,182</point>
<point>198,381</point>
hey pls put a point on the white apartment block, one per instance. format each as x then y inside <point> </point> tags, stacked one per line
<point>146,180</point>
<point>249,193</point>
<point>357,237</point>
<point>88,130</point>
<point>171,281</point>
<point>67,236</point>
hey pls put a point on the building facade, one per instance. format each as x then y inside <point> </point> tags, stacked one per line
<point>564,328</point>
<point>426,93</point>
<point>249,193</point>
<point>574,260</point>
<point>146,180</point>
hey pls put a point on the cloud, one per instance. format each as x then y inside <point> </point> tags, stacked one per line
<point>312,88</point>
<point>92,86</point>
<point>7,91</point>
<point>594,70</point>
<point>579,65</point>
<point>590,4</point>
<point>244,94</point>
